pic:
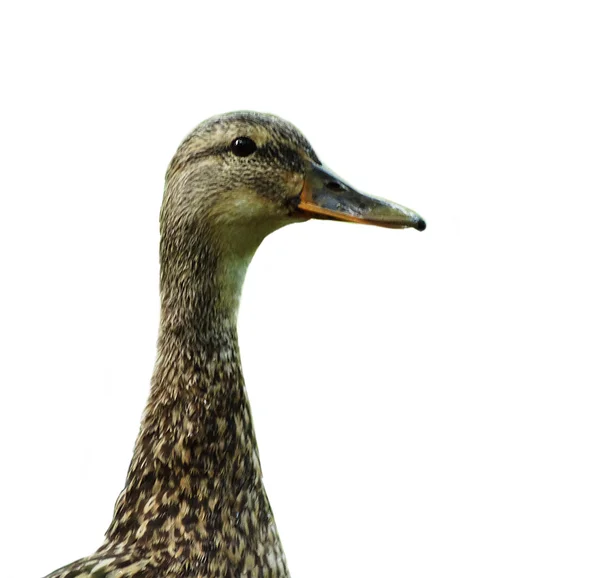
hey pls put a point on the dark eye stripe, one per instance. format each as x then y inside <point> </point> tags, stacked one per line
<point>211,152</point>
<point>273,152</point>
<point>284,155</point>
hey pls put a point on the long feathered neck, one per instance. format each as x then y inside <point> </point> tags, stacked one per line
<point>194,489</point>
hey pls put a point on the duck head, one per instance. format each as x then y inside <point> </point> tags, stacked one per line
<point>246,174</point>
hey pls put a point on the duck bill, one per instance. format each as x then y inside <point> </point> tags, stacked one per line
<point>326,196</point>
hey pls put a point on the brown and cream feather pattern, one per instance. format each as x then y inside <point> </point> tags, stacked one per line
<point>194,504</point>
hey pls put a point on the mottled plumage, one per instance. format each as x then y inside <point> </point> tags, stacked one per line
<point>194,504</point>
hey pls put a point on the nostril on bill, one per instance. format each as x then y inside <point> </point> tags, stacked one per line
<point>335,186</point>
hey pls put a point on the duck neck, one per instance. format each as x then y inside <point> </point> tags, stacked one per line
<point>198,416</point>
<point>195,476</point>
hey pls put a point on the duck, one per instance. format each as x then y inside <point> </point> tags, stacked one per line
<point>194,504</point>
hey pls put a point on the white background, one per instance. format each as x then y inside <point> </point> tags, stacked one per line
<point>426,404</point>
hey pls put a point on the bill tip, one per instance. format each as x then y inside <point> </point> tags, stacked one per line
<point>420,225</point>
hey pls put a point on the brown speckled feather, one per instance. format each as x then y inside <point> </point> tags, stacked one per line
<point>194,504</point>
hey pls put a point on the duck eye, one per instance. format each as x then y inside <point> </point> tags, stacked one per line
<point>242,146</point>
